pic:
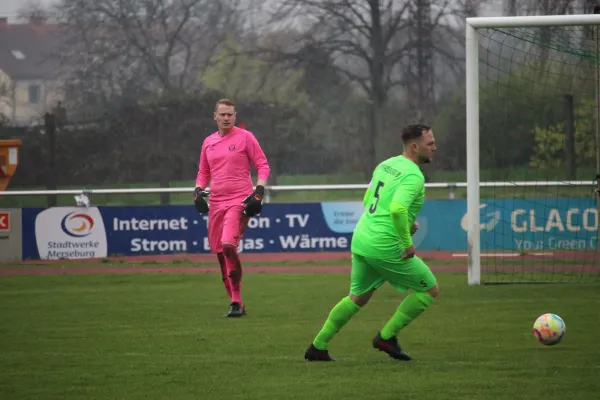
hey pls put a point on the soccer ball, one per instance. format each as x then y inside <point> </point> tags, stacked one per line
<point>549,329</point>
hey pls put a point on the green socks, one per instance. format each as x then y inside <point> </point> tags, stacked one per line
<point>410,308</point>
<point>338,317</point>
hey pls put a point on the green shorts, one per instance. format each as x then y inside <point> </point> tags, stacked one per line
<point>370,273</point>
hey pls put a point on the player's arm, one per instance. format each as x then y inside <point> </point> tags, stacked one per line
<point>202,179</point>
<point>408,190</point>
<point>203,176</point>
<point>368,193</point>
<point>259,159</point>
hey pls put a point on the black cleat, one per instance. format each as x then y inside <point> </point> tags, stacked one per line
<point>314,354</point>
<point>235,310</point>
<point>391,347</point>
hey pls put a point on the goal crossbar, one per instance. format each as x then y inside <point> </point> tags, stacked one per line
<point>533,21</point>
<point>472,114</point>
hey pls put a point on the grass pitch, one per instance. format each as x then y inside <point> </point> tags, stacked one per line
<point>161,336</point>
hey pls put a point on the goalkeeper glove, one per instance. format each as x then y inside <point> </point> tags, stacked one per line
<point>254,202</point>
<point>199,201</point>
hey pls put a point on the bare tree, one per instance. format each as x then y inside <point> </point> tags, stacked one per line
<point>471,7</point>
<point>128,49</point>
<point>541,7</point>
<point>382,46</point>
<point>33,11</point>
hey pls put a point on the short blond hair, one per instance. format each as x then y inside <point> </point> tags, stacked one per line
<point>225,102</point>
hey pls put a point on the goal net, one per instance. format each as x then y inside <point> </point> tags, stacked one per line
<point>536,150</point>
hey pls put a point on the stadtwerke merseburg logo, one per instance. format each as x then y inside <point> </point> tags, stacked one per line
<point>70,233</point>
<point>77,224</point>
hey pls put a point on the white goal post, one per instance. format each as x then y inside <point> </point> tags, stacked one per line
<point>472,115</point>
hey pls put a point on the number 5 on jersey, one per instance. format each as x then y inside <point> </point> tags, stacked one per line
<point>376,195</point>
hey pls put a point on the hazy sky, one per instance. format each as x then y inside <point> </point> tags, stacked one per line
<point>9,8</point>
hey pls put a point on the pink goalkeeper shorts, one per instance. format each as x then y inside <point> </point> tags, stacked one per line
<point>226,224</point>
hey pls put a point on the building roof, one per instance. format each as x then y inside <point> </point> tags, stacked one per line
<point>27,50</point>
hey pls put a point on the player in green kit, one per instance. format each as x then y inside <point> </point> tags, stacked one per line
<point>382,248</point>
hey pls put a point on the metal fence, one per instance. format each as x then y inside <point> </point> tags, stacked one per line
<point>82,195</point>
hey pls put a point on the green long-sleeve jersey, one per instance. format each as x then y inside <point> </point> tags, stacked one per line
<point>392,201</point>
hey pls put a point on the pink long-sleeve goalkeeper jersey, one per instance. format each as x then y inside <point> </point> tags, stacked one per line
<point>225,162</point>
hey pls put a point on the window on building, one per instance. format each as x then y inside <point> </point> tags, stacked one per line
<point>34,94</point>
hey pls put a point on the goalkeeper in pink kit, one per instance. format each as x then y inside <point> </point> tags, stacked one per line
<point>225,163</point>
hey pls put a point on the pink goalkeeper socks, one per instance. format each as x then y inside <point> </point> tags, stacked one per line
<point>224,274</point>
<point>234,270</point>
